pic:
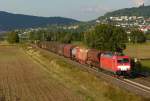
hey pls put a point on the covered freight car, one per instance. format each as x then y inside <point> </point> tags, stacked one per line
<point>68,50</point>
<point>42,45</point>
<point>81,55</point>
<point>53,46</point>
<point>60,49</point>
<point>93,57</point>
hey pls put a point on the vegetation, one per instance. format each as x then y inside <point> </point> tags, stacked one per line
<point>140,51</point>
<point>103,37</point>
<point>36,35</point>
<point>137,36</point>
<point>2,36</point>
<point>148,35</point>
<point>106,37</point>
<point>12,37</point>
<point>13,21</point>
<point>55,33</point>
<point>135,11</point>
<point>146,65</point>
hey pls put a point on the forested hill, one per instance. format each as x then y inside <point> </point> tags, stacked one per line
<point>135,11</point>
<point>12,21</point>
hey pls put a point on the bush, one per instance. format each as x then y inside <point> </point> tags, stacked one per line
<point>13,37</point>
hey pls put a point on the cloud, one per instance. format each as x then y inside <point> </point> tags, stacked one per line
<point>139,2</point>
<point>95,9</point>
<point>147,2</point>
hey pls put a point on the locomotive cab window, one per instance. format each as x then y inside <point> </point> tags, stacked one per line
<point>123,60</point>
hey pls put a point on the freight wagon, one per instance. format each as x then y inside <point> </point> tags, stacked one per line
<point>93,57</point>
<point>81,55</point>
<point>68,50</point>
<point>60,50</point>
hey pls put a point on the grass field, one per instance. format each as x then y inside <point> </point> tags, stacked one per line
<point>22,79</point>
<point>141,51</point>
<point>89,87</point>
<point>146,65</point>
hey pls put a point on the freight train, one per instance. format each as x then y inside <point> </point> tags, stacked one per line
<point>105,60</point>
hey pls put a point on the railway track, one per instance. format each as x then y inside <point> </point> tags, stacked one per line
<point>138,85</point>
<point>127,84</point>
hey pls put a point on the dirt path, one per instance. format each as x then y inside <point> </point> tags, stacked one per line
<point>23,80</point>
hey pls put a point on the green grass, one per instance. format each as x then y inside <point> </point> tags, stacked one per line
<point>146,65</point>
<point>141,51</point>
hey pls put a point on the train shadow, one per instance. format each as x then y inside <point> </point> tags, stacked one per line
<point>145,71</point>
<point>140,72</point>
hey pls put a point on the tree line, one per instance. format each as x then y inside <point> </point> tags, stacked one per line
<point>103,37</point>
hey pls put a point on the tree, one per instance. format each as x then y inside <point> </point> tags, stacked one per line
<point>13,37</point>
<point>148,35</point>
<point>36,36</point>
<point>67,38</point>
<point>137,36</point>
<point>106,37</point>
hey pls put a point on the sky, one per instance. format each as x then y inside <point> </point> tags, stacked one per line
<point>83,10</point>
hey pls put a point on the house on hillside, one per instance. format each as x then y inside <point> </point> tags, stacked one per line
<point>145,29</point>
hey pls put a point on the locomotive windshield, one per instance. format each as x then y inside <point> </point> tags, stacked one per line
<point>123,60</point>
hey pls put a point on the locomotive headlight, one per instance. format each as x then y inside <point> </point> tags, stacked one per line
<point>124,68</point>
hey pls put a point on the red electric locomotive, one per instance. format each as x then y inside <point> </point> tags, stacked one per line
<point>118,64</point>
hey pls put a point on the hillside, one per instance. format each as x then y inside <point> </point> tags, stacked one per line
<point>12,21</point>
<point>135,11</point>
